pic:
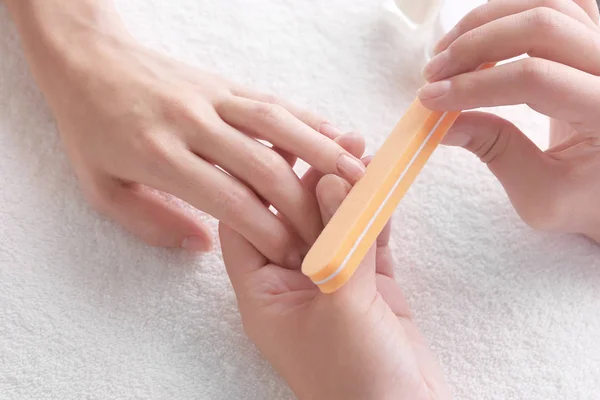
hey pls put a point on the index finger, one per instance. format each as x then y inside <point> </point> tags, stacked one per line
<point>553,89</point>
<point>497,9</point>
<point>277,125</point>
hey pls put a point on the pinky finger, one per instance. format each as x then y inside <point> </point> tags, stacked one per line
<point>155,217</point>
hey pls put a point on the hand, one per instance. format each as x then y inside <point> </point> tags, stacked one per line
<point>359,343</point>
<point>553,190</point>
<point>140,128</point>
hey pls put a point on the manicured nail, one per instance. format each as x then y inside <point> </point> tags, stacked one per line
<point>195,244</point>
<point>350,168</point>
<point>330,131</point>
<point>434,90</point>
<point>436,66</point>
<point>456,139</point>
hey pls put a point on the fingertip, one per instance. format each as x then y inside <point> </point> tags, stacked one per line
<point>331,192</point>
<point>353,142</point>
<point>195,243</point>
<point>434,91</point>
<point>367,160</point>
<point>457,138</point>
<point>350,168</point>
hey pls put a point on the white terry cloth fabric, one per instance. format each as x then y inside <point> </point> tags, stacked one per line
<point>88,312</point>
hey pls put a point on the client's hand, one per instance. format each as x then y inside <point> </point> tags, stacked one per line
<point>552,190</point>
<point>359,343</point>
<point>143,130</point>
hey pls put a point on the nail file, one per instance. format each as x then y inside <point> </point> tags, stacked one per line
<point>354,228</point>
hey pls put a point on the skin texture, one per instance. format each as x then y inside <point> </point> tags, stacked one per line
<point>359,343</point>
<point>146,133</point>
<point>553,190</point>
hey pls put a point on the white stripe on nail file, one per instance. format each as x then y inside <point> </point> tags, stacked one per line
<point>382,206</point>
<point>354,228</point>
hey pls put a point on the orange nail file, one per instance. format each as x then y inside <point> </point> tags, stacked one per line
<point>354,228</point>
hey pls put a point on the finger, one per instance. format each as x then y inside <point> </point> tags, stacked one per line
<point>550,88</point>
<point>353,143</point>
<point>286,155</point>
<point>384,260</point>
<point>240,257</point>
<point>497,9</point>
<point>531,178</point>
<point>158,219</point>
<point>264,171</point>
<point>590,7</point>
<point>383,240</point>
<point>331,192</point>
<point>367,160</point>
<point>277,125</point>
<point>315,122</point>
<point>541,32</point>
<point>213,191</point>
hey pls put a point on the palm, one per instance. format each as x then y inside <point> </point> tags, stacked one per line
<point>363,332</point>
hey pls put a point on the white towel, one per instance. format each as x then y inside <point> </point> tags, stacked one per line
<point>88,312</point>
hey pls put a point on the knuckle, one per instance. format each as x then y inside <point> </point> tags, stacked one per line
<point>234,203</point>
<point>173,107</point>
<point>187,108</point>
<point>555,5</point>
<point>269,168</point>
<point>534,71</point>
<point>544,20</point>
<point>155,153</point>
<point>494,145</point>
<point>269,112</point>
<point>272,99</point>
<point>327,150</point>
<point>473,36</point>
<point>223,102</point>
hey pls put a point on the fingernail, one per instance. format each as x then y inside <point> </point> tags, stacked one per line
<point>330,131</point>
<point>436,66</point>
<point>456,139</point>
<point>350,168</point>
<point>195,243</point>
<point>434,90</point>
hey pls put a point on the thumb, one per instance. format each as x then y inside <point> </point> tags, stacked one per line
<point>155,217</point>
<point>530,177</point>
<point>331,192</point>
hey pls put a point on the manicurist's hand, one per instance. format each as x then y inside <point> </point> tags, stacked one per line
<point>557,189</point>
<point>143,130</point>
<point>358,343</point>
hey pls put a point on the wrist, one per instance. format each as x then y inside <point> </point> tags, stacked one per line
<point>66,38</point>
<point>57,34</point>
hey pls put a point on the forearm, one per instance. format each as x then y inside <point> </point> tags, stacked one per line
<point>58,35</point>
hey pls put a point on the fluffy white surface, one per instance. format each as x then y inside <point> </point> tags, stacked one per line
<point>88,312</point>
